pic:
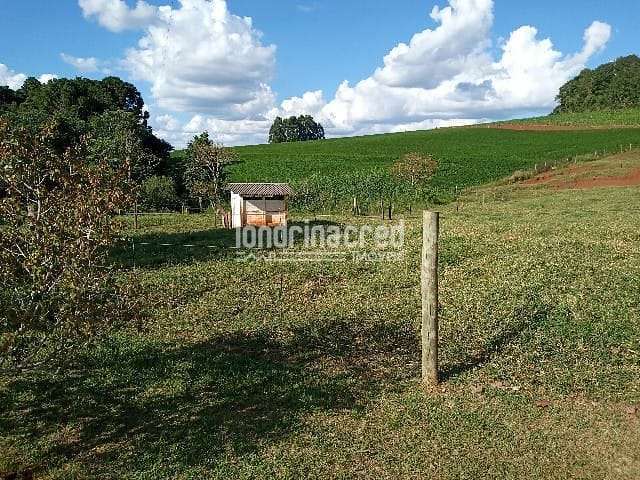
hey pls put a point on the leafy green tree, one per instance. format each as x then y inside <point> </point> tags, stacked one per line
<point>118,136</point>
<point>277,132</point>
<point>205,173</point>
<point>81,107</point>
<point>8,98</point>
<point>295,129</point>
<point>159,193</point>
<point>612,86</point>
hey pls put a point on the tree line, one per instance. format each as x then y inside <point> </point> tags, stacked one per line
<point>612,86</point>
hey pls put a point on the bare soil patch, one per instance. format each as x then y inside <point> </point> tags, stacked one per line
<point>584,177</point>
<point>629,180</point>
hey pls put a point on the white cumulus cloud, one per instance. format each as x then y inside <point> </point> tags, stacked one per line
<point>10,78</point>
<point>201,58</point>
<point>448,76</point>
<point>117,16</point>
<point>230,132</point>
<point>47,77</point>
<point>14,80</point>
<point>458,45</point>
<point>82,64</point>
<point>209,69</point>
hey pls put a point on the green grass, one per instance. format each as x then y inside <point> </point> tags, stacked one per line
<point>328,174</point>
<point>597,119</point>
<point>238,377</point>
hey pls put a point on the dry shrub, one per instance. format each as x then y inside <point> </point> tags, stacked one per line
<point>56,224</point>
<point>415,168</point>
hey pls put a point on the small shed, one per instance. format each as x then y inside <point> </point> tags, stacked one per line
<point>259,204</point>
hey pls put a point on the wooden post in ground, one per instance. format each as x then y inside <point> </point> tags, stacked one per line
<point>390,208</point>
<point>382,208</point>
<point>135,214</point>
<point>429,283</point>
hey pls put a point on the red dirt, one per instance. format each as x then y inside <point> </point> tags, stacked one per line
<point>550,178</point>
<point>547,177</point>
<point>629,180</point>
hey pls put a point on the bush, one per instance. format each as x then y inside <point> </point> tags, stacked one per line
<point>159,193</point>
<point>415,168</point>
<point>56,222</point>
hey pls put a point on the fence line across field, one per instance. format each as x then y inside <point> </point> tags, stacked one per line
<point>188,245</point>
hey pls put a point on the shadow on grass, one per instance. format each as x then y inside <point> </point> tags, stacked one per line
<point>135,405</point>
<point>530,314</point>
<point>155,250</point>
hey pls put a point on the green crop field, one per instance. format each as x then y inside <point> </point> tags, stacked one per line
<point>328,174</point>
<point>597,119</point>
<point>278,370</point>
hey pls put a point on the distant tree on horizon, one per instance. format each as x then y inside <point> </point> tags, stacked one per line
<point>611,86</point>
<point>295,129</point>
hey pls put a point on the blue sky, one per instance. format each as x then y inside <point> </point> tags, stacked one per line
<point>298,46</point>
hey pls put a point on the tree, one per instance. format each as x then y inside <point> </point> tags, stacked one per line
<point>118,136</point>
<point>415,168</point>
<point>205,173</point>
<point>8,98</point>
<point>277,132</point>
<point>295,129</point>
<point>56,212</point>
<point>159,193</point>
<point>81,107</point>
<point>611,86</point>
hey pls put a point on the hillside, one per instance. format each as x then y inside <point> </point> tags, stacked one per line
<point>330,173</point>
<point>268,369</point>
<point>598,119</point>
<point>327,174</point>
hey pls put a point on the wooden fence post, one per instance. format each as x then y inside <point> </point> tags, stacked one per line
<point>429,283</point>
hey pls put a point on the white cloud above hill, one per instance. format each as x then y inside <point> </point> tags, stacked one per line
<point>209,67</point>
<point>448,73</point>
<point>14,80</point>
<point>200,58</point>
<point>8,77</point>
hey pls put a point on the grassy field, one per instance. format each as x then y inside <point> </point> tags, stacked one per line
<point>263,370</point>
<point>614,118</point>
<point>326,175</point>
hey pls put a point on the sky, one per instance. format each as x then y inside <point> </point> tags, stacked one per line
<point>359,67</point>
